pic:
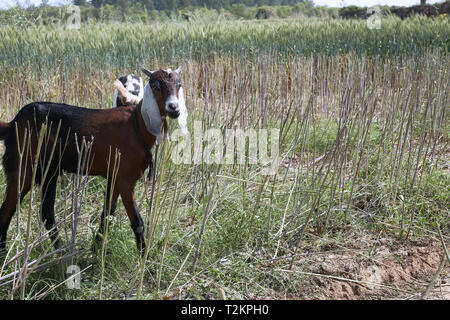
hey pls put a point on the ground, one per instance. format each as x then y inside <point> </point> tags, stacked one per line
<point>383,269</point>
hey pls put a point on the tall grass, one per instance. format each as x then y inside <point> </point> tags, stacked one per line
<point>364,137</point>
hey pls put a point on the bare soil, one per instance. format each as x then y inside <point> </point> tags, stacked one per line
<point>394,270</point>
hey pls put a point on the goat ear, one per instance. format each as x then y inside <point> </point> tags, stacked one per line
<point>178,70</point>
<point>147,72</point>
<point>182,118</point>
<point>150,112</point>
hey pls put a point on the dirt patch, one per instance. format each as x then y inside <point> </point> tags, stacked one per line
<point>393,271</point>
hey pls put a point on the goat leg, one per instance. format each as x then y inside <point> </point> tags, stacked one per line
<point>134,216</point>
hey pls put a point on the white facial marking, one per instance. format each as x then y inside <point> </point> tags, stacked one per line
<point>172,99</point>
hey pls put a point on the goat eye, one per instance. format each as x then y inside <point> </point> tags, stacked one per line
<point>156,85</point>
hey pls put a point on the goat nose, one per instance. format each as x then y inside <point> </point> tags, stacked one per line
<point>173,106</point>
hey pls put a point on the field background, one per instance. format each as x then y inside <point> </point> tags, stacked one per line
<point>359,205</point>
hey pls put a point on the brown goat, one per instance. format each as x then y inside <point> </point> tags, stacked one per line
<point>131,130</point>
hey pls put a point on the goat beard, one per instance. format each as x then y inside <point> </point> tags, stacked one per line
<point>124,95</point>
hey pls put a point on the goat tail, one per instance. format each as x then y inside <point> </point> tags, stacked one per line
<point>4,128</point>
